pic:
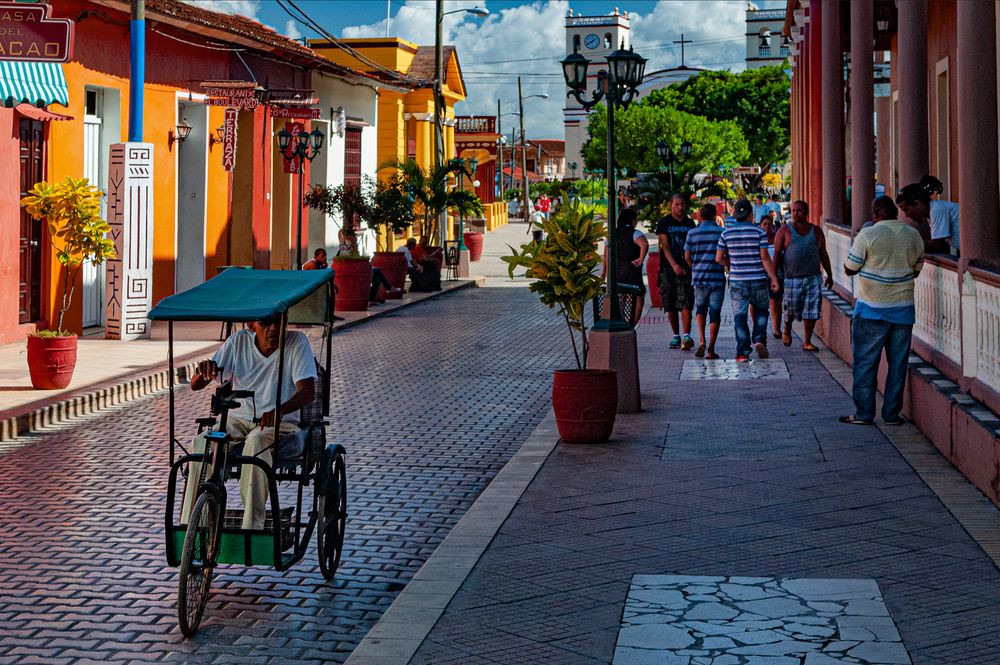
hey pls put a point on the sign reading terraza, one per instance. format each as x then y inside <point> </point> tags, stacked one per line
<point>28,34</point>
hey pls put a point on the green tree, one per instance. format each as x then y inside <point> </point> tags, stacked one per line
<point>757,100</point>
<point>639,127</point>
<point>432,193</point>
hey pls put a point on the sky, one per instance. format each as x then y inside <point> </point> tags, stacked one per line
<point>525,38</point>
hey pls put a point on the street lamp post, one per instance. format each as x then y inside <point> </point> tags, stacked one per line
<point>524,149</point>
<point>301,146</point>
<point>613,340</point>
<point>439,106</point>
<point>460,163</point>
<point>669,157</point>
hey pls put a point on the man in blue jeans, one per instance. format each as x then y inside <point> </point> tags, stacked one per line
<point>886,257</point>
<point>743,247</point>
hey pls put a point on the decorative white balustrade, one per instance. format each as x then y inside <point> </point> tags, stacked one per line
<point>939,310</point>
<point>838,244</point>
<point>988,334</point>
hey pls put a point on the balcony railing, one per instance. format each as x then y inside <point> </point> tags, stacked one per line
<point>838,244</point>
<point>939,309</point>
<point>987,328</point>
<point>763,51</point>
<point>475,124</point>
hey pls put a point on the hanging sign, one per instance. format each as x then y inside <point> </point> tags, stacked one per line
<point>231,94</point>
<point>229,140</point>
<point>28,34</point>
<point>293,128</point>
<point>300,113</point>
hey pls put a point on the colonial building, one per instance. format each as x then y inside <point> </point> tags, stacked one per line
<point>766,42</point>
<point>939,115</point>
<point>202,216</point>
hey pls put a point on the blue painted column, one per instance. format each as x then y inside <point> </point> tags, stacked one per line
<point>137,70</point>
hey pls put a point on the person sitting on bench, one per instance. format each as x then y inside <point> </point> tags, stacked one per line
<point>425,273</point>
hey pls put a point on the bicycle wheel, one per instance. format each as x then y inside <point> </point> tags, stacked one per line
<point>198,562</point>
<point>332,509</point>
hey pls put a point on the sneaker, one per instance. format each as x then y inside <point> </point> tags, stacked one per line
<point>687,343</point>
<point>675,343</point>
<point>742,359</point>
<point>761,349</point>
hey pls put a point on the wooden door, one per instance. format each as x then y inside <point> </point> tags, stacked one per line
<point>32,151</point>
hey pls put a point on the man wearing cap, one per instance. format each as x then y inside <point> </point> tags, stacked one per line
<point>250,360</point>
<point>743,247</point>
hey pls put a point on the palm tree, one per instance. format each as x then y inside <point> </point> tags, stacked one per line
<point>429,189</point>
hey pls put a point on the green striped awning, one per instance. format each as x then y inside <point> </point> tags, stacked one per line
<point>35,83</point>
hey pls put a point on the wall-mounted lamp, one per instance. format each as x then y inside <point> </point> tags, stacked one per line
<point>183,129</point>
<point>882,20</point>
<point>218,137</point>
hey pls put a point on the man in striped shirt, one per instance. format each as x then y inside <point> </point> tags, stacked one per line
<point>886,257</point>
<point>743,247</point>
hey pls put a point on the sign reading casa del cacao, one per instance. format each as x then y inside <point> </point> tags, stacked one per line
<point>27,33</point>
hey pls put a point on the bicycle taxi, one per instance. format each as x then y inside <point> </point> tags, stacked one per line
<point>299,460</point>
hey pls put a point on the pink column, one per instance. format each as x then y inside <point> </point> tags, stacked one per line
<point>913,153</point>
<point>862,110</point>
<point>832,76</point>
<point>976,76</point>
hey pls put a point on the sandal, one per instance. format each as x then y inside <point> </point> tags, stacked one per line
<point>700,353</point>
<point>897,421</point>
<point>711,355</point>
<point>851,420</point>
<point>810,347</point>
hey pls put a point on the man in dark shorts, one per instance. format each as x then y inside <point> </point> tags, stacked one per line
<point>674,278</point>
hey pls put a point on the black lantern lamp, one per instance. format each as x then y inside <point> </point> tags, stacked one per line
<point>183,129</point>
<point>284,139</point>
<point>663,151</point>
<point>316,137</point>
<point>575,71</point>
<point>686,149</point>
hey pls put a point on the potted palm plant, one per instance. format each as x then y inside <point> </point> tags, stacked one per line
<point>72,211</point>
<point>562,265</point>
<point>430,191</point>
<point>391,211</point>
<point>352,269</point>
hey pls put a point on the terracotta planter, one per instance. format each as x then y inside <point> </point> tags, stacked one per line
<point>353,279</point>
<point>393,266</point>
<point>474,241</point>
<point>51,361</point>
<point>585,402</point>
<point>652,270</point>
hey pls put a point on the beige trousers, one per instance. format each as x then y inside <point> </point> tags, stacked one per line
<point>253,481</point>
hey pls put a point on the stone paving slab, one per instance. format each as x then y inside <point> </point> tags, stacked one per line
<point>713,620</point>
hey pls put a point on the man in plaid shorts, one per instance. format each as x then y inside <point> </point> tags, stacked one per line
<point>800,248</point>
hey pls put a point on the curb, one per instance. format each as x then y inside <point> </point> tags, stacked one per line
<point>118,391</point>
<point>399,632</point>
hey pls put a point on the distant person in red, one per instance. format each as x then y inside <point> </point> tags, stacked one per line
<point>317,262</point>
<point>543,205</point>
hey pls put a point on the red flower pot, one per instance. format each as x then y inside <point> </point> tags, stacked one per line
<point>474,241</point>
<point>393,266</point>
<point>353,279</point>
<point>652,270</point>
<point>51,361</point>
<point>585,402</point>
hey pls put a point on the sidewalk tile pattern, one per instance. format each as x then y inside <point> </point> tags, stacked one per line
<point>704,620</point>
<point>430,404</point>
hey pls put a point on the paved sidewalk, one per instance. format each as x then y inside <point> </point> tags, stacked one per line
<point>721,478</point>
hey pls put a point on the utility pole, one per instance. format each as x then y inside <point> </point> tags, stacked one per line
<point>524,156</point>
<point>439,110</point>
<point>499,151</point>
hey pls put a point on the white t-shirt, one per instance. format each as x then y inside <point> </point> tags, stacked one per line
<point>409,257</point>
<point>242,361</point>
<point>944,221</point>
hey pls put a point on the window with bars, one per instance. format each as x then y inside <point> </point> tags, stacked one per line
<point>352,166</point>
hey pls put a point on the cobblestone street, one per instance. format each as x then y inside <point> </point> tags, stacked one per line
<point>430,404</point>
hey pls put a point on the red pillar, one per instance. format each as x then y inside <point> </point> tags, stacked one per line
<point>977,131</point>
<point>913,151</point>
<point>815,119</point>
<point>832,93</point>
<point>862,112</point>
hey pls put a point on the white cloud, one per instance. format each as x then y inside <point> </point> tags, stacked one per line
<point>530,40</point>
<point>292,29</point>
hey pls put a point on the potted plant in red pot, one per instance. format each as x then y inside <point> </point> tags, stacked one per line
<point>352,269</point>
<point>72,211</point>
<point>562,266</point>
<point>391,211</point>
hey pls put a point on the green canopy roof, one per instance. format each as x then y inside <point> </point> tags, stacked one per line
<point>252,295</point>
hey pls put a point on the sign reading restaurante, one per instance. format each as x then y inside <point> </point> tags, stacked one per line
<point>27,33</point>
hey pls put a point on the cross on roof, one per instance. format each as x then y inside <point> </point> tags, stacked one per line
<point>682,42</point>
